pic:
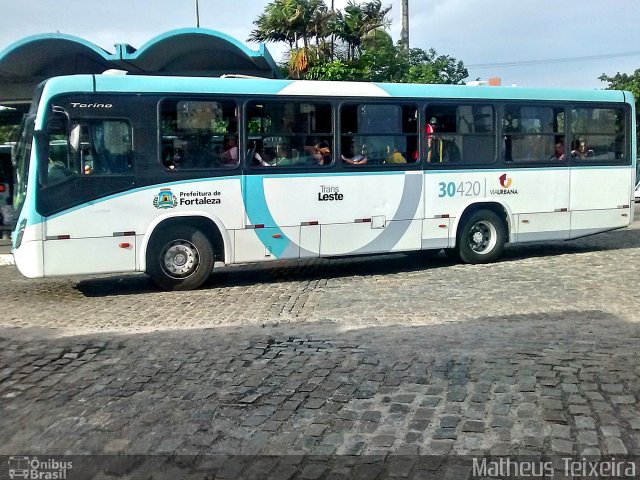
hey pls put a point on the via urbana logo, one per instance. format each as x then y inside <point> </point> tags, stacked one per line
<point>505,184</point>
<point>36,469</point>
<point>505,181</point>
<point>165,199</point>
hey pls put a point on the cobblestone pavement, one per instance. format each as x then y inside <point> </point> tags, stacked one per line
<point>398,354</point>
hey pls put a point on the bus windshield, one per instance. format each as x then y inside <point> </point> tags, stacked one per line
<point>21,163</point>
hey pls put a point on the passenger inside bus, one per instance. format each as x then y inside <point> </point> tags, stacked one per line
<point>284,156</point>
<point>430,129</point>
<point>581,151</point>
<point>356,159</point>
<point>559,151</point>
<point>320,153</point>
<point>230,152</point>
<point>394,156</point>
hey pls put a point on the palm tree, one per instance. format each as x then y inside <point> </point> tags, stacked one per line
<point>271,26</point>
<point>277,23</point>
<point>359,21</point>
<point>294,21</point>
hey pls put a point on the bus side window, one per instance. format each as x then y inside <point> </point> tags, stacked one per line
<point>289,134</point>
<point>378,134</point>
<point>198,134</point>
<point>460,133</point>
<point>531,133</point>
<point>106,148</point>
<point>597,134</point>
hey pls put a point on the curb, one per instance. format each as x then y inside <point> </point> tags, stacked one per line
<point>6,259</point>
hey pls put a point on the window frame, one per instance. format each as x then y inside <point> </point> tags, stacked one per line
<point>457,103</point>
<point>77,156</point>
<point>235,99</point>
<point>417,103</point>
<point>250,168</point>
<point>80,188</point>
<point>533,163</point>
<point>627,144</point>
<point>133,150</point>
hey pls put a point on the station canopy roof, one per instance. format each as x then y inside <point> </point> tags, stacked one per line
<point>188,52</point>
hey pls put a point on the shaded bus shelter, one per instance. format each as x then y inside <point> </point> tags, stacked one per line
<point>189,51</point>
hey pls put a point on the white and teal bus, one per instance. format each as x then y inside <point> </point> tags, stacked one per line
<point>169,175</point>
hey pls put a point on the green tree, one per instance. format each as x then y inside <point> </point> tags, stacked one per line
<point>336,70</point>
<point>429,67</point>
<point>295,22</point>
<point>394,63</point>
<point>275,24</point>
<point>358,22</point>
<point>623,81</point>
<point>364,48</point>
<point>631,83</point>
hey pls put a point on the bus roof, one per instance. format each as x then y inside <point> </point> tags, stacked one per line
<point>308,88</point>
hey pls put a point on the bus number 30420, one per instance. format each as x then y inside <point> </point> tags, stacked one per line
<point>462,189</point>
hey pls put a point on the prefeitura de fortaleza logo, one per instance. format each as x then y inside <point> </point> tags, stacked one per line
<point>165,199</point>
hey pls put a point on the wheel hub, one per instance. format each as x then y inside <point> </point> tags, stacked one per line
<point>180,259</point>
<point>482,237</point>
<point>478,238</point>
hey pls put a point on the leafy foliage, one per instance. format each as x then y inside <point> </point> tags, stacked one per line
<point>631,83</point>
<point>398,65</point>
<point>352,44</point>
<point>336,70</point>
<point>623,81</point>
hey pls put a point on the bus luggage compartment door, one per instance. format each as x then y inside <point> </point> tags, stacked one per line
<point>76,256</point>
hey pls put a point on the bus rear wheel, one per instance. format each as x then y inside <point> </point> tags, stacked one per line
<point>482,238</point>
<point>180,258</point>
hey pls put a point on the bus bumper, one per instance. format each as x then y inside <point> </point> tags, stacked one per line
<point>29,259</point>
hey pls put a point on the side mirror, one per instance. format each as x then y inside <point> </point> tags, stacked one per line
<point>74,138</point>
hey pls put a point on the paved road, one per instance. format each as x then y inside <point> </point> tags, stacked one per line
<point>398,354</point>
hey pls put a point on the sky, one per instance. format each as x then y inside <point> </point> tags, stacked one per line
<point>537,43</point>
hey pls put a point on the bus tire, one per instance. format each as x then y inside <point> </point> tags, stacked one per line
<point>180,258</point>
<point>482,237</point>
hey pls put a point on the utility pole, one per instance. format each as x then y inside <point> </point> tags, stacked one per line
<point>333,19</point>
<point>404,32</point>
<point>197,15</point>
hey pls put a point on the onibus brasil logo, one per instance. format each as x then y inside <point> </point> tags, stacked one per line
<point>34,468</point>
<point>165,199</point>
<point>505,186</point>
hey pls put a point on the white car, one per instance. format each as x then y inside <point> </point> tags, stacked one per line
<point>637,192</point>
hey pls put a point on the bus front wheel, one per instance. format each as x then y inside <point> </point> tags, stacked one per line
<point>482,238</point>
<point>180,258</point>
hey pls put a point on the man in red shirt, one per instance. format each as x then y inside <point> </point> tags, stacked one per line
<point>430,130</point>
